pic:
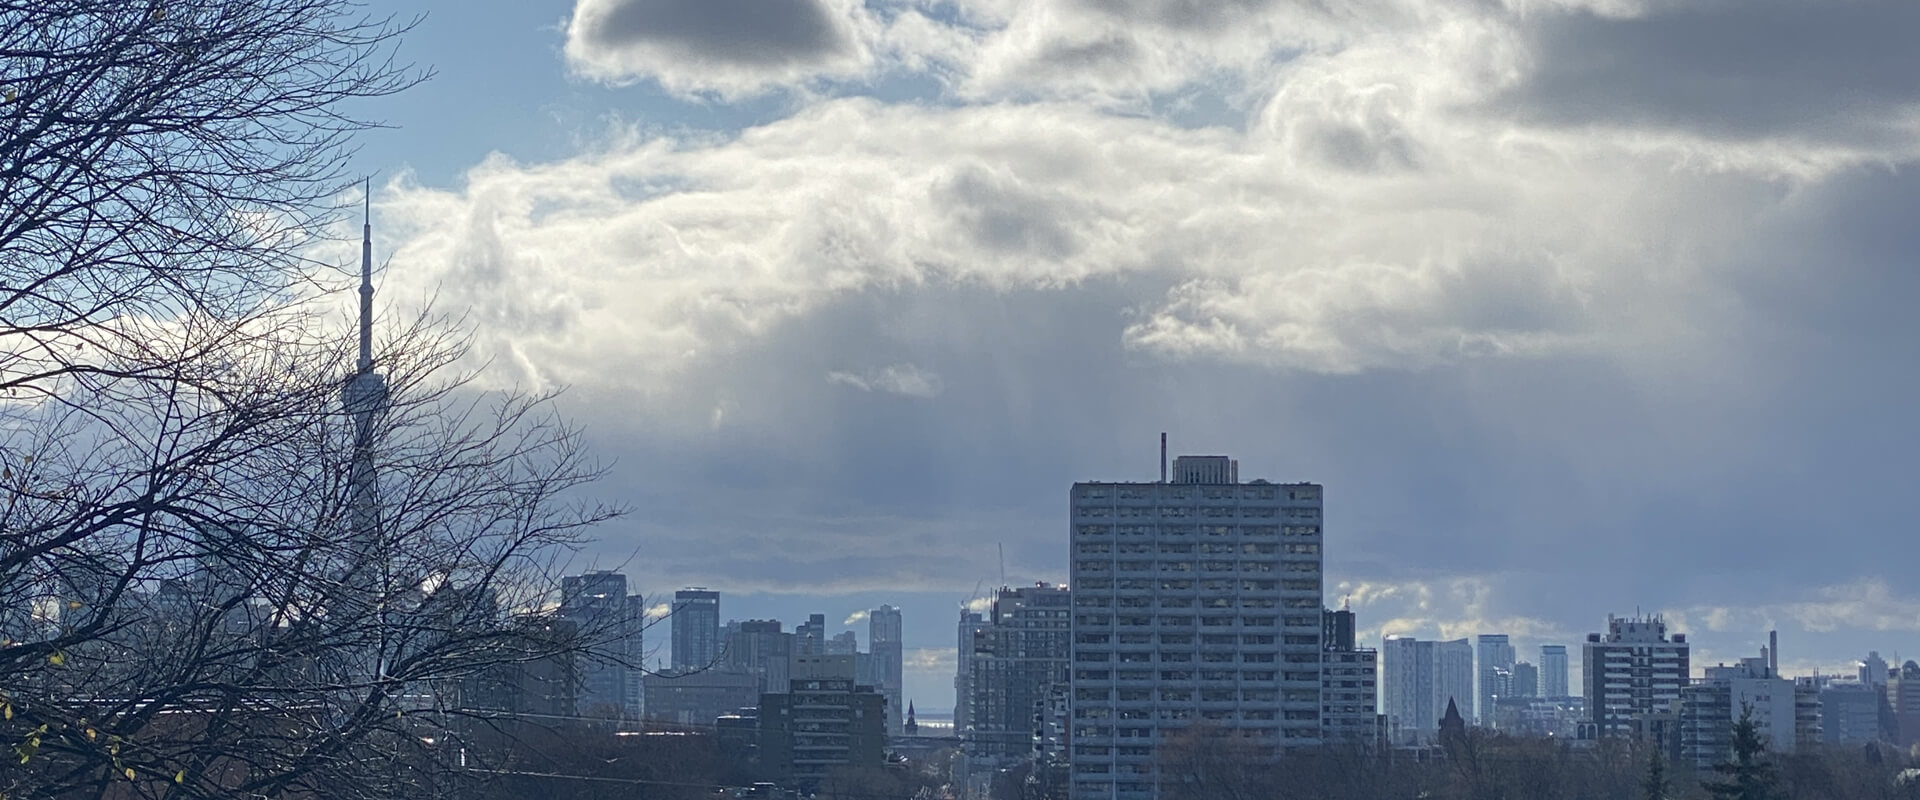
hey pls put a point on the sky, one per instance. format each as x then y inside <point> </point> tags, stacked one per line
<point>1575,307</point>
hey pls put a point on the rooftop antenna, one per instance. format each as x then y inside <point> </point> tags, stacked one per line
<point>366,277</point>
<point>1163,456</point>
<point>1003,562</point>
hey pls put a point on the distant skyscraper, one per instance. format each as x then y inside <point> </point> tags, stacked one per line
<point>1526,680</point>
<point>1418,679</point>
<point>1873,670</point>
<point>884,640</point>
<point>1337,631</point>
<point>844,643</point>
<point>1553,670</point>
<point>810,637</point>
<point>759,648</point>
<point>1632,670</point>
<point>1018,660</point>
<point>1495,660</point>
<point>1194,601</point>
<point>634,655</point>
<point>596,603</point>
<point>696,628</point>
<point>970,623</point>
<point>1903,701</point>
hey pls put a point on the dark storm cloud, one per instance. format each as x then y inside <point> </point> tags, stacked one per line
<point>1835,71</point>
<point>741,32</point>
<point>1189,14</point>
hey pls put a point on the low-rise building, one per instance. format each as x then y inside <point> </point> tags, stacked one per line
<point>698,698</point>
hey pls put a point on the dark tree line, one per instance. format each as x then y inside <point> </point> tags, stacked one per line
<point>1482,765</point>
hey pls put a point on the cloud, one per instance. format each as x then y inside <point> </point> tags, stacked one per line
<point>901,379</point>
<point>1864,604</point>
<point>659,611</point>
<point>936,660</point>
<point>728,47</point>
<point>1457,608</point>
<point>854,617</point>
<point>1768,68</point>
<point>1126,51</point>
<point>1256,255</point>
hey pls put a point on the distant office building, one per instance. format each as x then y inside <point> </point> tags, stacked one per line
<point>884,640</point>
<point>844,643</point>
<point>1336,629</point>
<point>696,626</point>
<point>1018,664</point>
<point>1560,717</point>
<point>633,656</point>
<point>1494,667</point>
<point>759,648</point>
<point>1196,601</point>
<point>1849,712</point>
<point>1553,670</point>
<point>1632,670</point>
<point>1349,677</point>
<point>1785,714</point>
<point>1903,705</point>
<point>543,684</point>
<point>1526,681</point>
<point>700,697</point>
<point>597,605</point>
<point>824,722</point>
<point>1418,680</point>
<point>810,637</point>
<point>1873,670</point>
<point>970,623</point>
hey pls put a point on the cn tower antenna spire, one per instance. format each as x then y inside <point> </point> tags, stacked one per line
<point>366,279</point>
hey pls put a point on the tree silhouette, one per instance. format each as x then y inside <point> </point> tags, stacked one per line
<point>1657,784</point>
<point>1748,774</point>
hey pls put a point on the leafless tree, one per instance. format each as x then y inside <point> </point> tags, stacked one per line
<point>188,606</point>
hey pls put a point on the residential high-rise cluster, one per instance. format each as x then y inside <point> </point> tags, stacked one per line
<point>749,674</point>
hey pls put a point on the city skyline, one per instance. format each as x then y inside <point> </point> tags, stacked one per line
<point>434,395</point>
<point>1601,339</point>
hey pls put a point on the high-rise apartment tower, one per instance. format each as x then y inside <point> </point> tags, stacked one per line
<point>883,638</point>
<point>696,628</point>
<point>1495,671</point>
<point>1553,670</point>
<point>1195,601</point>
<point>1632,670</point>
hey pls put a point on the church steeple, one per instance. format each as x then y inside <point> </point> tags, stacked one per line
<point>912,728</point>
